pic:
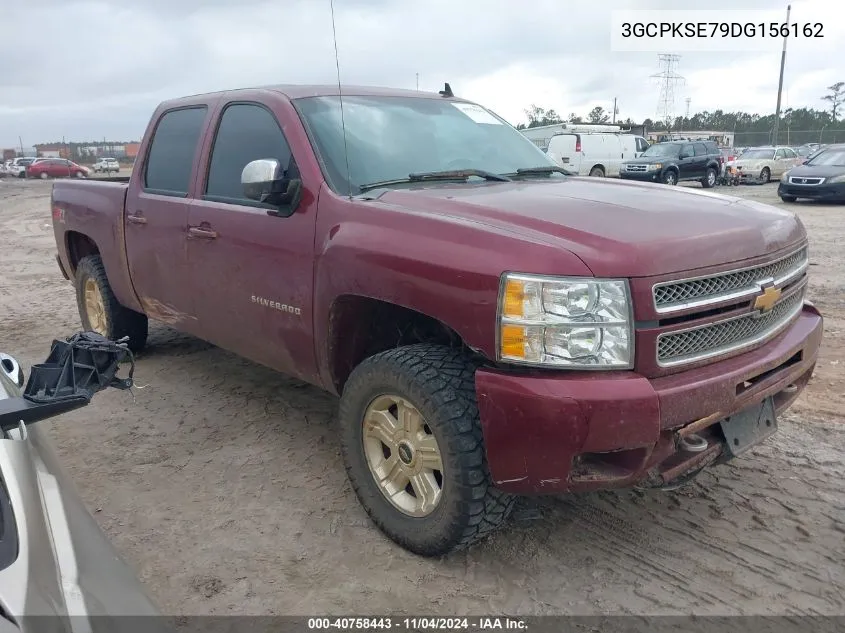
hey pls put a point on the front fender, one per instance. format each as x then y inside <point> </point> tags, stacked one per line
<point>444,267</point>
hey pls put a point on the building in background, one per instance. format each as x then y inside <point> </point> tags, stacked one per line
<point>89,151</point>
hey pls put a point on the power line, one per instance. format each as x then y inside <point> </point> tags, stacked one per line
<point>668,78</point>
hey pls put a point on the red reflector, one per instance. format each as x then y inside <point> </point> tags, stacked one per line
<point>58,214</point>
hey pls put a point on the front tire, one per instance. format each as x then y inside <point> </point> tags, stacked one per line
<point>670,178</point>
<point>413,448</point>
<point>99,309</point>
<point>765,175</point>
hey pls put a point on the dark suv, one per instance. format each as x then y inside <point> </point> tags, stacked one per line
<point>674,161</point>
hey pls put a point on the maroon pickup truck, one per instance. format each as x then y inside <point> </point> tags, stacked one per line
<point>492,325</point>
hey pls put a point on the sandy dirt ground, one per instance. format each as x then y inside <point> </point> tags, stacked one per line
<point>221,482</point>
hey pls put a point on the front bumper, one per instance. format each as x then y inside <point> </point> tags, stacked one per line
<point>579,431</point>
<point>642,176</point>
<point>834,192</point>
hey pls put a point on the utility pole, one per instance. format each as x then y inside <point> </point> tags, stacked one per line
<point>20,141</point>
<point>780,80</point>
<point>614,110</point>
<point>688,99</point>
<point>418,82</point>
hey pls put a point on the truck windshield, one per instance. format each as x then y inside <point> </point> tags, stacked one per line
<point>388,138</point>
<point>663,149</point>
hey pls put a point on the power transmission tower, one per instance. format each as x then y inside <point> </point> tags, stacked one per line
<point>668,78</point>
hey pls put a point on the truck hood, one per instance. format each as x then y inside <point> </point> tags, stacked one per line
<point>617,228</point>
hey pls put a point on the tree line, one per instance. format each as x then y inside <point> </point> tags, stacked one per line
<point>797,125</point>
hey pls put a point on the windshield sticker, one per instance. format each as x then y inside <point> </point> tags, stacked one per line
<point>477,113</point>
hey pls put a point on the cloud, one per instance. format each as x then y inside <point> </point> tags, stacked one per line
<point>89,69</point>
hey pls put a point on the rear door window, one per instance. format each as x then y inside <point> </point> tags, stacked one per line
<point>170,161</point>
<point>700,149</point>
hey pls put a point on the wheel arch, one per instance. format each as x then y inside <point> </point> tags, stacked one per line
<point>79,245</point>
<point>388,325</point>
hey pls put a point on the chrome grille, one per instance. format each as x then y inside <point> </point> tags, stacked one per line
<point>797,180</point>
<point>635,167</point>
<point>726,336</point>
<point>679,295</point>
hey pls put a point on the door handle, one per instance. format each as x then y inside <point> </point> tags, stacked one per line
<point>206,234</point>
<point>136,219</point>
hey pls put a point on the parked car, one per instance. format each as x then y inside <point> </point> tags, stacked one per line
<point>56,168</point>
<point>54,559</point>
<point>675,161</point>
<point>19,166</point>
<point>820,178</point>
<point>765,163</point>
<point>595,154</point>
<point>107,165</point>
<point>812,155</point>
<point>492,326</point>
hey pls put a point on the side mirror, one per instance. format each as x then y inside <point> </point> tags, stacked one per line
<point>264,181</point>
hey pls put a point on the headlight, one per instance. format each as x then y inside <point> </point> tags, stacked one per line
<point>575,322</point>
<point>655,166</point>
<point>835,179</point>
<point>785,177</point>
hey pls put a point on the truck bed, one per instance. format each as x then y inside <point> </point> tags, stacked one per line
<point>88,219</point>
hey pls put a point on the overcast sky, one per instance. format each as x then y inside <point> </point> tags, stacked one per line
<point>87,69</point>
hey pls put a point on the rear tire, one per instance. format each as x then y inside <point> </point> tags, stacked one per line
<point>44,175</point>
<point>597,172</point>
<point>99,309</point>
<point>709,179</point>
<point>434,387</point>
<point>788,198</point>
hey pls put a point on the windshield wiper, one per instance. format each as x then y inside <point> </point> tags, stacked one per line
<point>457,174</point>
<point>449,174</point>
<point>542,171</point>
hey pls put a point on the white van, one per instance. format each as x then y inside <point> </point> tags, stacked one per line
<point>595,154</point>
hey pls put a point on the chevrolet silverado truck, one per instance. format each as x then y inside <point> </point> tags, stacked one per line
<point>492,326</point>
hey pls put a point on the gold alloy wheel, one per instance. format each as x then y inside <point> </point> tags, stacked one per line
<point>95,307</point>
<point>403,455</point>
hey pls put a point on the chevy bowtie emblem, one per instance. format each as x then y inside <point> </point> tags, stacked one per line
<point>768,299</point>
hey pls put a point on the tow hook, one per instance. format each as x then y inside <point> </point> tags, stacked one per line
<point>693,443</point>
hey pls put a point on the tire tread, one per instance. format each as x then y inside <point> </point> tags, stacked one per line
<point>447,377</point>
<point>122,320</point>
